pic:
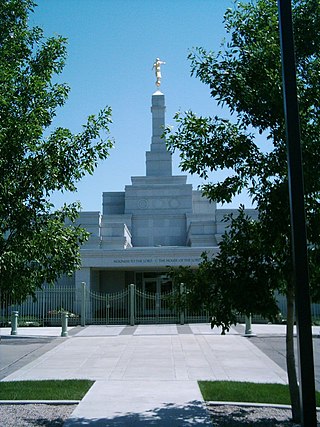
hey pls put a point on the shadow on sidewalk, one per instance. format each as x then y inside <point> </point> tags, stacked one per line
<point>169,415</point>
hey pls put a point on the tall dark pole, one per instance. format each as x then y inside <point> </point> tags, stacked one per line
<point>298,223</point>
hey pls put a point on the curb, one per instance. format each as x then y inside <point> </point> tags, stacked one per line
<point>39,402</point>
<point>250,404</point>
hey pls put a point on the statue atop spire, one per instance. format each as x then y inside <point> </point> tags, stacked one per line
<point>157,68</point>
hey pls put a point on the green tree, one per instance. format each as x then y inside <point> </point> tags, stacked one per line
<point>36,244</point>
<point>240,279</point>
<point>245,77</point>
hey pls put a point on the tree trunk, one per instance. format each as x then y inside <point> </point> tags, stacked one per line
<point>291,366</point>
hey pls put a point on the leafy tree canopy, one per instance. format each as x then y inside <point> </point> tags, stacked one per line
<point>245,78</point>
<point>35,244</point>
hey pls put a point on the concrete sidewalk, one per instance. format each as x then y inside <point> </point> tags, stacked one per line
<point>147,375</point>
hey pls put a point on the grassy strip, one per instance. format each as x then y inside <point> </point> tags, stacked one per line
<point>233,391</point>
<point>44,390</point>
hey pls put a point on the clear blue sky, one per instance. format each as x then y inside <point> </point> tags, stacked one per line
<point>112,45</point>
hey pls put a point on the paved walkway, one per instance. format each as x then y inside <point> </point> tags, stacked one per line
<point>147,375</point>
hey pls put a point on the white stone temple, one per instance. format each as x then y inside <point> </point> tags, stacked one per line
<point>156,222</point>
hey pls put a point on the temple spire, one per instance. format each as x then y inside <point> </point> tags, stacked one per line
<point>158,159</point>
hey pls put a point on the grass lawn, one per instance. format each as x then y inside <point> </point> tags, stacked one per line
<point>233,391</point>
<point>44,390</point>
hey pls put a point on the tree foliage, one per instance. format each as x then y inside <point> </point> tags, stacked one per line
<point>239,280</point>
<point>244,77</point>
<point>36,245</point>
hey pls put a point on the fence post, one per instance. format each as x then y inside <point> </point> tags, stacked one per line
<point>107,310</point>
<point>182,320</point>
<point>64,322</point>
<point>83,304</point>
<point>158,306</point>
<point>14,322</point>
<point>132,303</point>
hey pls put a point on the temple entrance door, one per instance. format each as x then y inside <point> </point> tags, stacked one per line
<point>155,307</point>
<point>150,285</point>
<point>158,285</point>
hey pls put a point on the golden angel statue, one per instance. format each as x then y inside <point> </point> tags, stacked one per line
<point>157,68</point>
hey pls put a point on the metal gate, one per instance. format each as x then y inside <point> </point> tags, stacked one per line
<point>106,309</point>
<point>130,306</point>
<point>154,308</point>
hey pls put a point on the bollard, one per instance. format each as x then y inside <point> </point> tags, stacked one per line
<point>64,321</point>
<point>248,330</point>
<point>14,322</point>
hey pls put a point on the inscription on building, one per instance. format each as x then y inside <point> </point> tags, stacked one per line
<point>159,261</point>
